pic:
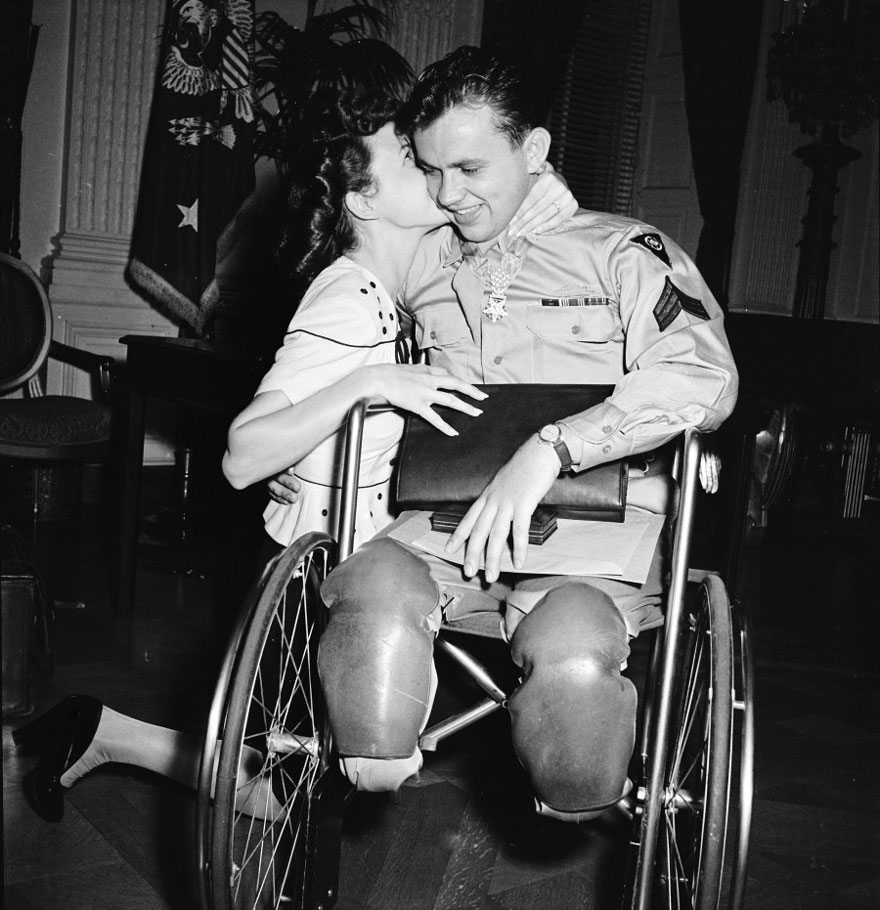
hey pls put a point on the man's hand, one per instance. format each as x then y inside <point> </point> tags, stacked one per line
<point>508,501</point>
<point>284,488</point>
<point>548,204</point>
<point>710,470</point>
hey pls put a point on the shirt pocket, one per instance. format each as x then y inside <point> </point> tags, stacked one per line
<point>585,324</point>
<point>441,327</point>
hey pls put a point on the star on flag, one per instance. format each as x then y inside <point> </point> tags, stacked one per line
<point>190,216</point>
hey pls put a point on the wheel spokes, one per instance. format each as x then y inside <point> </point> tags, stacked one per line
<point>282,724</point>
<point>689,760</point>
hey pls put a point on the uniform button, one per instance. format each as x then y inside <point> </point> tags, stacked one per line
<point>433,334</point>
<point>372,284</point>
<point>606,429</point>
<point>381,315</point>
<point>391,316</point>
<point>324,512</point>
<point>498,359</point>
<point>379,496</point>
<point>384,329</point>
<point>575,330</point>
<point>393,462</point>
<point>363,290</point>
<point>606,449</point>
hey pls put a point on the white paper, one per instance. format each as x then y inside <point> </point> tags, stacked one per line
<point>620,550</point>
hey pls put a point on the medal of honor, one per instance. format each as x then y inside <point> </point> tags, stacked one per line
<point>494,307</point>
<point>496,278</point>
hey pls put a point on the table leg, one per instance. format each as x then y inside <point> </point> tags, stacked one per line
<point>131,458</point>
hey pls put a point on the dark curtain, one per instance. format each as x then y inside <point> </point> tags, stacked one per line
<point>720,48</point>
<point>18,44</point>
<point>537,40</point>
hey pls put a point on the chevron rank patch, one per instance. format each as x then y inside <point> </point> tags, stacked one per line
<point>672,301</point>
<point>654,244</point>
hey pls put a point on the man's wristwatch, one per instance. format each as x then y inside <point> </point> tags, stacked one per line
<point>551,435</point>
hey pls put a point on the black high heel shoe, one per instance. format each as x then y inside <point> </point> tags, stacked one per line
<point>62,734</point>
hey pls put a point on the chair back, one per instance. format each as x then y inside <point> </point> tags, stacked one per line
<point>25,323</point>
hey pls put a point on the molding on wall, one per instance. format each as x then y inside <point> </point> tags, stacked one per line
<point>114,48</point>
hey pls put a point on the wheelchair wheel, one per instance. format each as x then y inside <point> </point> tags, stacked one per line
<point>690,852</point>
<point>272,821</point>
<point>684,866</point>
<point>743,764</point>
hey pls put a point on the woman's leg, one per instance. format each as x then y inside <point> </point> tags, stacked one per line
<point>171,753</point>
<point>80,734</point>
<point>120,738</point>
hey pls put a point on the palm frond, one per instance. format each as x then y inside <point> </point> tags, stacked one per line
<point>334,50</point>
<point>368,64</point>
<point>355,19</point>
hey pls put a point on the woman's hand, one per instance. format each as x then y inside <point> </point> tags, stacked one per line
<point>284,488</point>
<point>549,204</point>
<point>411,387</point>
<point>417,388</point>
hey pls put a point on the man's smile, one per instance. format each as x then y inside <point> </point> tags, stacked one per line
<point>467,215</point>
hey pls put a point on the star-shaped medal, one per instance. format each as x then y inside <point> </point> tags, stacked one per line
<point>494,307</point>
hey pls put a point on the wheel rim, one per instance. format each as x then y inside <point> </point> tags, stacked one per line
<point>743,768</point>
<point>212,744</point>
<point>267,817</point>
<point>692,836</point>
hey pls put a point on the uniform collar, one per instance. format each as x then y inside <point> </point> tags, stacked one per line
<point>455,248</point>
<point>450,249</point>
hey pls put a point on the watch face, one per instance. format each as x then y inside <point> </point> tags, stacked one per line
<point>550,433</point>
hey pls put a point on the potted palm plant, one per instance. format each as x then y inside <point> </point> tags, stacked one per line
<point>338,48</point>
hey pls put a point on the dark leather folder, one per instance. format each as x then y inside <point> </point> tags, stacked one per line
<point>435,470</point>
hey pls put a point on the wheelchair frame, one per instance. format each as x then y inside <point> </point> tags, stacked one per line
<point>700,676</point>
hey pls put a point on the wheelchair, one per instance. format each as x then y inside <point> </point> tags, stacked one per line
<point>690,805</point>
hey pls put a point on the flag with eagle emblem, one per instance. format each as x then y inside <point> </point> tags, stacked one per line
<point>198,167</point>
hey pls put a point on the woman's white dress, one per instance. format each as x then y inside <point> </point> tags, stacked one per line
<point>345,320</point>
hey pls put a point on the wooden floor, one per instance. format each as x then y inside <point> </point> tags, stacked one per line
<point>464,837</point>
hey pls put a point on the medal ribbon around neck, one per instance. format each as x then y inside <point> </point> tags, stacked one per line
<point>496,278</point>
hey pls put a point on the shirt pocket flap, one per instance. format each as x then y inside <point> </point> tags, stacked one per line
<point>591,324</point>
<point>438,326</point>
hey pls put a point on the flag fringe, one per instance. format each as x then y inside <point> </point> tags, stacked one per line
<point>169,300</point>
<point>237,226</point>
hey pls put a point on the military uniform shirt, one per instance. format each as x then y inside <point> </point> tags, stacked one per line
<point>601,300</point>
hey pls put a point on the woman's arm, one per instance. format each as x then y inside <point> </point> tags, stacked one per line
<point>549,204</point>
<point>271,434</point>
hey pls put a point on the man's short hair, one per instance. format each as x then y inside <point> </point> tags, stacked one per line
<point>471,77</point>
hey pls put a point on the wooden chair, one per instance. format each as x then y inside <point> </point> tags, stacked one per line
<point>40,432</point>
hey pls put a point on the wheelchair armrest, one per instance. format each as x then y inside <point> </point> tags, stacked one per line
<point>98,365</point>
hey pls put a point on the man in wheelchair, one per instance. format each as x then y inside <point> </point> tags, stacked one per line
<point>601,300</point>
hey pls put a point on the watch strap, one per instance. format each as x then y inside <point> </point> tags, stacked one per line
<point>564,454</point>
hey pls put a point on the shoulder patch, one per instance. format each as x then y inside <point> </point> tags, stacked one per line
<point>672,301</point>
<point>654,244</point>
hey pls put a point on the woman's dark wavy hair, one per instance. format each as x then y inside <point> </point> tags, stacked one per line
<point>331,160</point>
<point>472,77</point>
